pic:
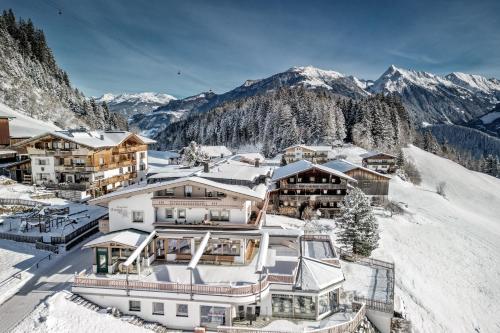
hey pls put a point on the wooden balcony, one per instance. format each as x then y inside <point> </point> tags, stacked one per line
<point>312,186</point>
<point>312,197</point>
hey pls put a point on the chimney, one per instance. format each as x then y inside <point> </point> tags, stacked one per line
<point>102,137</point>
<point>206,169</point>
<point>257,162</point>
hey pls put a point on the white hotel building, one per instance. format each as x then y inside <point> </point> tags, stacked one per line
<point>192,253</point>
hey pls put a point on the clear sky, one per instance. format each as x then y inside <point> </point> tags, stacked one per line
<point>133,46</point>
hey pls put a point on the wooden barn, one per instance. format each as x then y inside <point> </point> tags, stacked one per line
<point>372,183</point>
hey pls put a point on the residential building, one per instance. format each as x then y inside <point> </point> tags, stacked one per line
<point>314,154</point>
<point>303,183</point>
<point>380,162</point>
<point>374,184</point>
<point>159,261</point>
<point>237,173</point>
<point>80,164</point>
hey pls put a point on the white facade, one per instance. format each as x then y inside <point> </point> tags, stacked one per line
<point>43,169</point>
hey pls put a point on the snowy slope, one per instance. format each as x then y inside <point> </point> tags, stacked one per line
<point>21,125</point>
<point>446,250</point>
<point>58,314</point>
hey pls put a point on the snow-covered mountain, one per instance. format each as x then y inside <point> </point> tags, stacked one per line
<point>130,104</point>
<point>430,98</point>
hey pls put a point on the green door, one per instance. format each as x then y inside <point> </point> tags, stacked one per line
<point>102,260</point>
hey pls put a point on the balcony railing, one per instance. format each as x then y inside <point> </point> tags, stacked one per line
<point>183,288</point>
<point>313,197</point>
<point>345,327</point>
<point>322,186</point>
<point>195,202</point>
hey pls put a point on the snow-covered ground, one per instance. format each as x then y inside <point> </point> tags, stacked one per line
<point>22,125</point>
<point>15,257</point>
<point>446,249</point>
<point>58,314</point>
<point>13,190</point>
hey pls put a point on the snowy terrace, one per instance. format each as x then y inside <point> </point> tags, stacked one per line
<point>55,224</point>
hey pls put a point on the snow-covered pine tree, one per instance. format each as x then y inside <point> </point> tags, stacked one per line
<point>193,155</point>
<point>358,228</point>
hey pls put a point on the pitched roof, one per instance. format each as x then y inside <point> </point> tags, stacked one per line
<point>316,275</point>
<point>129,237</point>
<point>236,170</point>
<point>345,166</point>
<point>92,139</point>
<point>136,190</point>
<point>375,153</point>
<point>303,165</point>
<point>313,148</point>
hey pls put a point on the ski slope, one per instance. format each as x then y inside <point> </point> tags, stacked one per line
<point>446,249</point>
<point>22,125</point>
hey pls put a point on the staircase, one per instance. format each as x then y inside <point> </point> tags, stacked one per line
<point>131,319</point>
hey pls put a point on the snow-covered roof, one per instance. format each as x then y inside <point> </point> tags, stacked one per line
<point>240,190</point>
<point>23,126</point>
<point>303,165</point>
<point>375,153</point>
<point>236,170</point>
<point>316,275</point>
<point>130,237</point>
<point>92,139</point>
<point>251,157</point>
<point>216,151</point>
<point>313,148</point>
<point>161,157</point>
<point>345,166</point>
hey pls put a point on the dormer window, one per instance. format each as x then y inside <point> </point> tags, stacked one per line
<point>188,191</point>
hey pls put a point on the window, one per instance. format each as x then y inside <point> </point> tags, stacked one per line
<point>169,213</point>
<point>181,213</point>
<point>323,180</point>
<point>42,162</point>
<point>134,305</point>
<point>182,310</point>
<point>292,180</point>
<point>312,179</point>
<point>212,316</point>
<point>221,194</point>
<point>188,191</point>
<point>299,179</point>
<point>101,161</point>
<point>66,145</point>
<point>158,308</point>
<point>142,167</point>
<point>79,162</point>
<point>142,155</point>
<point>138,216</point>
<point>121,171</point>
<point>178,246</point>
<point>282,305</point>
<point>218,215</point>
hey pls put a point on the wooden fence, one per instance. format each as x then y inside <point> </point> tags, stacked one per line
<point>47,247</point>
<point>67,238</point>
<point>185,288</point>
<point>22,202</point>
<point>21,238</point>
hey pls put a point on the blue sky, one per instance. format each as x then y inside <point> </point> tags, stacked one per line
<point>134,46</point>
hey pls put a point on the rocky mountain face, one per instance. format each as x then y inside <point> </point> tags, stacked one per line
<point>488,123</point>
<point>131,104</point>
<point>430,99</point>
<point>32,83</point>
<point>455,98</point>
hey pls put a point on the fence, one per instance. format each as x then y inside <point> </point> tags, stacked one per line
<point>376,305</point>
<point>21,238</point>
<point>186,288</point>
<point>67,238</point>
<point>47,247</point>
<point>348,326</point>
<point>22,202</point>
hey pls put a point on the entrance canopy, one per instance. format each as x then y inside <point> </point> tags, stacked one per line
<point>127,238</point>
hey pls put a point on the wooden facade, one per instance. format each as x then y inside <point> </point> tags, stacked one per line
<point>316,188</point>
<point>4,132</point>
<point>314,154</point>
<point>380,162</point>
<point>371,183</point>
<point>73,166</point>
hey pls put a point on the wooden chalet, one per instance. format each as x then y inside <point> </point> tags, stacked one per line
<point>303,184</point>
<point>373,184</point>
<point>380,162</point>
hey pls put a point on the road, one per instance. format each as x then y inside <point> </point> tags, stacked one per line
<point>48,279</point>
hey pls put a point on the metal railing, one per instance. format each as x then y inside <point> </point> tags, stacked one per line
<point>67,238</point>
<point>18,275</point>
<point>348,326</point>
<point>21,238</point>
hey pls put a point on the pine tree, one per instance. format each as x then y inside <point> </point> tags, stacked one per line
<point>358,228</point>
